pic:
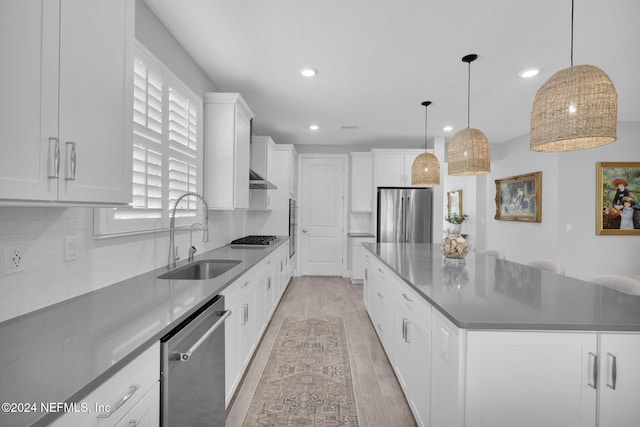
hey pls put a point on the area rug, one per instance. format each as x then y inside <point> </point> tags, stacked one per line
<point>307,379</point>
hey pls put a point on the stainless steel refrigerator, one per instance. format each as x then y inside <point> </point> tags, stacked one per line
<point>404,215</point>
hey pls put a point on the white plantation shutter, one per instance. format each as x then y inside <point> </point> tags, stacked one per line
<point>167,157</point>
<point>183,117</point>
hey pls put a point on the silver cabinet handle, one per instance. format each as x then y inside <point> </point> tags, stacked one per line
<point>406,297</point>
<point>305,231</point>
<point>407,334</point>
<point>134,423</point>
<point>70,174</point>
<point>183,357</point>
<point>381,270</point>
<point>404,329</point>
<point>244,285</point>
<point>269,283</point>
<point>380,295</point>
<point>122,401</point>
<point>594,371</point>
<point>54,157</point>
<point>245,314</point>
<point>613,372</point>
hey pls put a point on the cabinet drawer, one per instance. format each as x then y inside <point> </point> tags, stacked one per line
<point>110,402</point>
<point>234,291</point>
<point>146,413</point>
<point>409,299</point>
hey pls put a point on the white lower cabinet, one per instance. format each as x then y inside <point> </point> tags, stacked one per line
<point>457,377</point>
<point>619,380</point>
<point>252,300</point>
<point>413,362</point>
<point>357,257</point>
<point>132,394</point>
<point>531,379</point>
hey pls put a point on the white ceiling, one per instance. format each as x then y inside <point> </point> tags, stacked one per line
<point>379,59</point>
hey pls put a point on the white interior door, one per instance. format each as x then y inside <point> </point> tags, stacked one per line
<point>322,214</point>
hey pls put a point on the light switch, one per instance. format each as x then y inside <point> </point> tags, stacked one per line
<point>70,248</point>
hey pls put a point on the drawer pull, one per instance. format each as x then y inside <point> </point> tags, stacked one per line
<point>134,423</point>
<point>381,270</point>
<point>406,297</point>
<point>380,295</point>
<point>132,390</point>
<point>244,285</point>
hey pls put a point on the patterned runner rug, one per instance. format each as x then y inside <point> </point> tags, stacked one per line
<point>307,380</point>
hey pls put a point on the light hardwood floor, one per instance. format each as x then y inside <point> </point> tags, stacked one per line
<point>378,395</point>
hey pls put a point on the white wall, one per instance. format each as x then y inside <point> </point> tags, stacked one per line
<point>46,278</point>
<point>568,198</point>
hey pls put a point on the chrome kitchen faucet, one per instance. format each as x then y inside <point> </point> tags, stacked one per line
<point>172,226</point>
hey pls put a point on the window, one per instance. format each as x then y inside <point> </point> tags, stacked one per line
<point>167,154</point>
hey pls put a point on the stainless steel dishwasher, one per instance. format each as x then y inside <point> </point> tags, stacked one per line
<point>192,369</point>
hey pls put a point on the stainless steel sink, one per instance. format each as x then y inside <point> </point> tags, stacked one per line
<point>201,270</point>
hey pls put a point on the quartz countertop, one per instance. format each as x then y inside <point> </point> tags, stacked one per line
<point>62,352</point>
<point>492,293</point>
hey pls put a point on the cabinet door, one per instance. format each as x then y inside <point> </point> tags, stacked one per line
<point>232,367</point>
<point>389,171</point>
<point>530,379</point>
<point>361,183</point>
<point>95,116</point>
<point>619,380</point>
<point>412,364</point>
<point>28,107</point>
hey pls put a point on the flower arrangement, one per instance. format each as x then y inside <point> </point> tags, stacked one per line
<point>456,219</point>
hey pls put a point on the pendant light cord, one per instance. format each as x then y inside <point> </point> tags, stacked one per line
<point>426,115</point>
<point>469,94</point>
<point>572,6</point>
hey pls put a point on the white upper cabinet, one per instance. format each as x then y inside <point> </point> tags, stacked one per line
<point>361,182</point>
<point>67,81</point>
<point>227,134</point>
<point>393,168</point>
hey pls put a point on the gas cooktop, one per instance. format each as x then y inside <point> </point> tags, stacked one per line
<point>254,241</point>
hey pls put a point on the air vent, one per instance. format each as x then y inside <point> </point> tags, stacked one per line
<point>349,127</point>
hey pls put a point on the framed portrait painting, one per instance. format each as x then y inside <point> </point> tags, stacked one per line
<point>519,198</point>
<point>617,193</point>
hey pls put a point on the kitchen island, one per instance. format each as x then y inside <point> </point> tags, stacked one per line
<point>53,358</point>
<point>497,343</point>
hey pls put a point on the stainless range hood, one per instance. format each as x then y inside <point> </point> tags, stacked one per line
<point>256,182</point>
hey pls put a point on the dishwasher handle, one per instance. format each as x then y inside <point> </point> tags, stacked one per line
<point>183,357</point>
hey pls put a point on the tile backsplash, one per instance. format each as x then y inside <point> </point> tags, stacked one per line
<point>46,278</point>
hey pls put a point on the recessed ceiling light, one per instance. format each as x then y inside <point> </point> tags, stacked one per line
<point>529,73</point>
<point>308,71</point>
<point>447,128</point>
<point>314,127</point>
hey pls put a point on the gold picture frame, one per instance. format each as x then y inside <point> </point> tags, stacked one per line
<point>454,202</point>
<point>519,198</point>
<point>617,198</point>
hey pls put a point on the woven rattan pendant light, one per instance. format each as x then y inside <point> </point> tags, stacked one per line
<point>426,167</point>
<point>469,152</point>
<point>576,108</point>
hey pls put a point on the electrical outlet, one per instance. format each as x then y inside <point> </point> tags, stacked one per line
<point>14,258</point>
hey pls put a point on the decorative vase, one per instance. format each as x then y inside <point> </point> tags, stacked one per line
<point>454,247</point>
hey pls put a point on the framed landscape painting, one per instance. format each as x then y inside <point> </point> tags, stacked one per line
<point>519,198</point>
<point>617,192</point>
